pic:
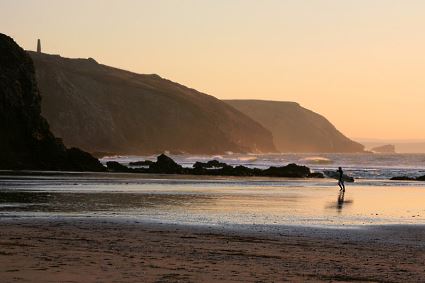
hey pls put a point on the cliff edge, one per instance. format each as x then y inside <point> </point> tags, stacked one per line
<point>296,129</point>
<point>26,141</point>
<point>103,109</point>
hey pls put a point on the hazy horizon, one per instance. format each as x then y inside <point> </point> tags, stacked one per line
<point>358,63</point>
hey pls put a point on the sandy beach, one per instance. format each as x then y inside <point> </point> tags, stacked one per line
<point>116,228</point>
<point>81,250</point>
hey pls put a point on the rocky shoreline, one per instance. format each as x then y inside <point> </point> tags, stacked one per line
<point>407,178</point>
<point>166,165</point>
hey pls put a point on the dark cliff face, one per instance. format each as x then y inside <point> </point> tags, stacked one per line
<point>104,109</point>
<point>26,141</point>
<point>296,129</point>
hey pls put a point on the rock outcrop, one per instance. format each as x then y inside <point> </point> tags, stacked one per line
<point>104,109</point>
<point>408,178</point>
<point>296,129</point>
<point>26,141</point>
<point>166,165</point>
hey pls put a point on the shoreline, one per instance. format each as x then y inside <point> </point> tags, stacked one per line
<point>139,175</point>
<point>351,232</point>
<point>16,174</point>
<point>76,250</point>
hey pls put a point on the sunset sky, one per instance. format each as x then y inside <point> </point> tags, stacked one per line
<point>360,63</point>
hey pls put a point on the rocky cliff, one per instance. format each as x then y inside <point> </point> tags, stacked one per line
<point>26,141</point>
<point>100,108</point>
<point>296,129</point>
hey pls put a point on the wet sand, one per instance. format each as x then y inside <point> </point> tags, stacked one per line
<point>96,250</point>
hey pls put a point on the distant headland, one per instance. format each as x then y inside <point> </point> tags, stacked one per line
<point>104,109</point>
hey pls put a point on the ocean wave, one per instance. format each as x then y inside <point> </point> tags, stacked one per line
<point>316,160</point>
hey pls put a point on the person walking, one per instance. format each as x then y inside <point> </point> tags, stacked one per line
<point>341,179</point>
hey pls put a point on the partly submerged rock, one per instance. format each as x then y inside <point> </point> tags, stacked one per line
<point>210,164</point>
<point>291,170</point>
<point>408,178</point>
<point>141,163</point>
<point>115,166</point>
<point>165,165</point>
<point>421,178</point>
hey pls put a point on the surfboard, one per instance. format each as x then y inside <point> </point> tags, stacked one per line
<point>335,175</point>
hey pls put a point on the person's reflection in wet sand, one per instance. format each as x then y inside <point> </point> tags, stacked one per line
<point>340,201</point>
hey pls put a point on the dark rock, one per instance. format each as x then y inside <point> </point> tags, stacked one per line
<point>83,161</point>
<point>291,170</point>
<point>242,171</point>
<point>403,178</point>
<point>141,163</point>
<point>407,178</point>
<point>215,167</point>
<point>209,164</point>
<point>101,154</point>
<point>421,178</point>
<point>115,166</point>
<point>165,165</point>
<point>26,141</point>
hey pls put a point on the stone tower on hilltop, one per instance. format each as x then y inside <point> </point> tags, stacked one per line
<point>38,46</point>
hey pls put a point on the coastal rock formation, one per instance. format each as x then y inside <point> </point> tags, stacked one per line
<point>408,178</point>
<point>104,109</point>
<point>388,148</point>
<point>296,129</point>
<point>26,141</point>
<point>208,165</point>
<point>166,165</point>
<point>141,163</point>
<point>115,166</point>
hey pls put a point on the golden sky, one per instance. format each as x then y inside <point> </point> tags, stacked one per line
<point>360,63</point>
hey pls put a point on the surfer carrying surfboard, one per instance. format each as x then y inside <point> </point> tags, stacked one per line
<point>341,179</point>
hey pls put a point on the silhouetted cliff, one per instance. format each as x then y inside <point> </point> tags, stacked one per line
<point>100,108</point>
<point>25,139</point>
<point>296,129</point>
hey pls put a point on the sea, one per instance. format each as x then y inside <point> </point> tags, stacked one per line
<point>228,202</point>
<point>362,166</point>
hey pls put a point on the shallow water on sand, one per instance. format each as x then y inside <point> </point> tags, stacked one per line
<point>212,201</point>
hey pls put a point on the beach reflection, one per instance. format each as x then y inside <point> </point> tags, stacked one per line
<point>286,202</point>
<point>114,203</point>
<point>341,202</point>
